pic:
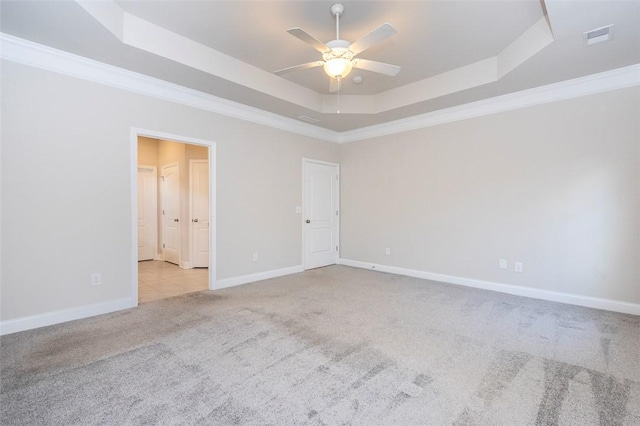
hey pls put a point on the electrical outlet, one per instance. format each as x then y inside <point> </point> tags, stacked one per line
<point>502,264</point>
<point>96,278</point>
<point>517,266</point>
<point>255,257</point>
<point>387,251</point>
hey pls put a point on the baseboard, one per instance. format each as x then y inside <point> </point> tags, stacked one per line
<point>244,279</point>
<point>184,265</point>
<point>553,296</point>
<point>64,315</point>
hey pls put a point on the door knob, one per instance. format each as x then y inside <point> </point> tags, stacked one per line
<point>308,221</point>
<point>194,220</point>
<point>176,220</point>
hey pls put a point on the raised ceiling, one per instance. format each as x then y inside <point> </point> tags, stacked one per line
<point>451,52</point>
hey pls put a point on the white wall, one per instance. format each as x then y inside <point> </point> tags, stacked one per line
<point>555,186</point>
<point>66,189</point>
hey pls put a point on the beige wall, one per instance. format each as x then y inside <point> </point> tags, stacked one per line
<point>147,151</point>
<point>66,189</point>
<point>554,186</point>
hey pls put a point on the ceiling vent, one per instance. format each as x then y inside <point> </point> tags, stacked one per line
<point>598,35</point>
<point>308,119</point>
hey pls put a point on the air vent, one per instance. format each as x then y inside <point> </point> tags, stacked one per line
<point>598,35</point>
<point>308,119</point>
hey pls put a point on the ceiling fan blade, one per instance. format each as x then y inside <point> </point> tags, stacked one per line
<point>309,39</point>
<point>334,85</point>
<point>381,33</point>
<point>300,67</point>
<point>379,67</point>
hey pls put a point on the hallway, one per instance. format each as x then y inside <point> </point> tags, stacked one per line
<point>160,280</point>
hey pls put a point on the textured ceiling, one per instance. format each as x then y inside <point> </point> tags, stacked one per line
<point>434,38</point>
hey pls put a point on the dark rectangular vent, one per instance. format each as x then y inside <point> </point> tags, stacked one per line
<point>308,119</point>
<point>599,35</point>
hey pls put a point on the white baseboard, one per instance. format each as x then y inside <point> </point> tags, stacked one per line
<point>64,315</point>
<point>536,293</point>
<point>244,279</point>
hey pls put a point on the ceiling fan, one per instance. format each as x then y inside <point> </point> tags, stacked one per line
<point>339,56</point>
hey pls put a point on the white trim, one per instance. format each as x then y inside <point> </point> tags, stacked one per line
<point>64,315</point>
<point>592,84</point>
<point>33,54</point>
<point>213,227</point>
<point>133,190</point>
<point>535,293</point>
<point>244,279</point>
<point>36,55</point>
<point>185,264</point>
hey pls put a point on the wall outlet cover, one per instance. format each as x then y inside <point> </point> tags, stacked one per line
<point>96,278</point>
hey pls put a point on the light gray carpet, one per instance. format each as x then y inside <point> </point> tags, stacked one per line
<point>330,346</point>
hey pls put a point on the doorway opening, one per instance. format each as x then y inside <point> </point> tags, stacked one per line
<point>174,229</point>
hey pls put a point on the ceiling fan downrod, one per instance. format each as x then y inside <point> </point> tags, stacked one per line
<point>336,10</point>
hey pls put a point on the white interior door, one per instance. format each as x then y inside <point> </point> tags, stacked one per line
<point>147,213</point>
<point>171,213</point>
<point>199,203</point>
<point>320,215</point>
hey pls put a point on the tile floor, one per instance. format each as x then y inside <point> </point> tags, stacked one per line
<point>159,280</point>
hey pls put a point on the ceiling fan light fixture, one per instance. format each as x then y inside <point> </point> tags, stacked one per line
<point>338,67</point>
<point>339,56</point>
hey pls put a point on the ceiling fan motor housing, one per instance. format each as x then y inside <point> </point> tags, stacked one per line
<point>339,49</point>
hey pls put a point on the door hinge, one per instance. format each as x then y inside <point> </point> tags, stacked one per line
<point>336,212</point>
<point>336,248</point>
<point>162,178</point>
<point>162,245</point>
<point>162,212</point>
<point>337,177</point>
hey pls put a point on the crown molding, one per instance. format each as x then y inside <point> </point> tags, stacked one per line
<point>36,55</point>
<point>583,86</point>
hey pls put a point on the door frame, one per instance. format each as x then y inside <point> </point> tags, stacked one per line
<point>133,167</point>
<point>163,207</point>
<point>192,242</point>
<point>154,172</point>
<point>306,161</point>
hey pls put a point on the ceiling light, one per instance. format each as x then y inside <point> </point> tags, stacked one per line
<point>338,67</point>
